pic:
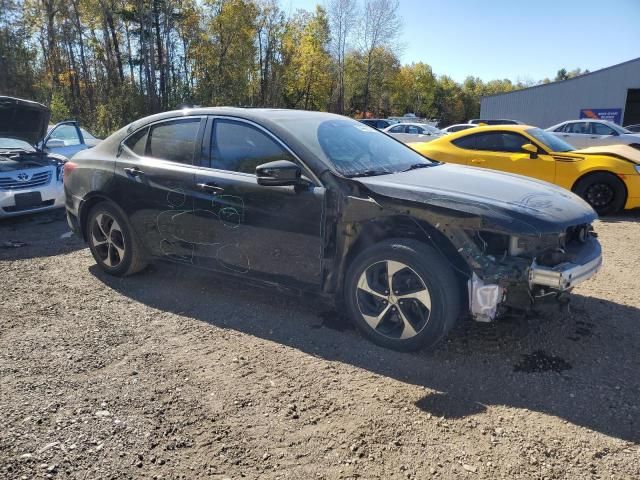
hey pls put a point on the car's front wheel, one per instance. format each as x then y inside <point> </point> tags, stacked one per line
<point>112,241</point>
<point>402,294</point>
<point>603,191</point>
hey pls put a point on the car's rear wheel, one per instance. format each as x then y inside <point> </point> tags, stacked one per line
<point>603,191</point>
<point>112,241</point>
<point>402,294</point>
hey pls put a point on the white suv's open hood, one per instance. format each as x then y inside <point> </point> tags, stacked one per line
<point>23,119</point>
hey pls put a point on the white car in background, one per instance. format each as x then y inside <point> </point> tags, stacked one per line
<point>413,132</point>
<point>458,127</point>
<point>30,178</point>
<point>589,133</point>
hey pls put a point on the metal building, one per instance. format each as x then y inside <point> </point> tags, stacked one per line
<point>612,93</point>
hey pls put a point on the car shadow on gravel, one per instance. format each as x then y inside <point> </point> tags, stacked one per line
<point>42,234</point>
<point>624,216</point>
<point>581,366</point>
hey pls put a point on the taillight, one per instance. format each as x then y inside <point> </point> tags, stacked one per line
<point>68,168</point>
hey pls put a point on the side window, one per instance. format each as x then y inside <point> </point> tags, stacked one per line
<point>490,142</point>
<point>67,133</point>
<point>562,128</point>
<point>601,129</point>
<point>468,142</point>
<point>577,127</point>
<point>382,124</point>
<point>512,142</point>
<point>239,147</point>
<point>493,142</point>
<point>397,129</point>
<point>137,142</point>
<point>414,130</point>
<point>174,140</point>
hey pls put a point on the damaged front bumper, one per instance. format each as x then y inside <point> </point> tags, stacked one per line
<point>486,298</point>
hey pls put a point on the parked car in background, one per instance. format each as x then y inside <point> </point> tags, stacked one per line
<point>633,128</point>
<point>68,138</point>
<point>591,132</point>
<point>378,123</point>
<point>608,180</point>
<point>458,127</point>
<point>317,202</point>
<point>413,132</point>
<point>30,178</point>
<point>502,121</point>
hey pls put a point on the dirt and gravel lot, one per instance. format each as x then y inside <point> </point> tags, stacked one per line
<point>177,373</point>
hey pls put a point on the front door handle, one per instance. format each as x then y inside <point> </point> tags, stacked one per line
<point>210,188</point>
<point>477,160</point>
<point>133,171</point>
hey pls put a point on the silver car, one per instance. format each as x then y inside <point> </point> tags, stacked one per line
<point>413,132</point>
<point>30,178</point>
<point>589,133</point>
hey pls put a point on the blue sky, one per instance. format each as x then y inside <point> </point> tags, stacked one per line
<point>515,39</point>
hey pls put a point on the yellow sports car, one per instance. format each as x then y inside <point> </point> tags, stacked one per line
<point>607,177</point>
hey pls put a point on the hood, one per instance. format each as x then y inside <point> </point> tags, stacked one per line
<point>511,203</point>
<point>624,152</point>
<point>23,119</point>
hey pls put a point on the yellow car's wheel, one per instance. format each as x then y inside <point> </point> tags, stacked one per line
<point>603,191</point>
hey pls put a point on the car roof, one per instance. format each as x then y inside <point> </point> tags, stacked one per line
<point>485,128</point>
<point>588,120</point>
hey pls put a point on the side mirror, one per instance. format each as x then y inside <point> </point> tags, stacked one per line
<point>278,173</point>
<point>531,149</point>
<point>54,143</point>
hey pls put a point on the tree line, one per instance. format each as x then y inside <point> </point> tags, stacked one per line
<point>108,62</point>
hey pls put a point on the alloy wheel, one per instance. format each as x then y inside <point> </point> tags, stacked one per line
<point>393,299</point>
<point>107,240</point>
<point>600,194</point>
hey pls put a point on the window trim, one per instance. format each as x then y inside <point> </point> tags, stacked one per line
<point>208,160</point>
<point>197,148</point>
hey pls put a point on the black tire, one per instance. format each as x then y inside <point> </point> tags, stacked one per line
<point>603,191</point>
<point>422,263</point>
<point>132,260</point>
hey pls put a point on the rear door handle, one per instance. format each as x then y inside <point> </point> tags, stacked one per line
<point>133,171</point>
<point>210,188</point>
<point>477,160</point>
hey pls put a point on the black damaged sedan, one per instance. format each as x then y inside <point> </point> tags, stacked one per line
<point>318,202</point>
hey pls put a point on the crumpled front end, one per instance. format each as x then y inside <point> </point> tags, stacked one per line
<point>529,269</point>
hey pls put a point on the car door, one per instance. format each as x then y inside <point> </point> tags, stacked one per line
<point>502,150</point>
<point>602,134</point>
<point>270,233</point>
<point>154,183</point>
<point>576,133</point>
<point>65,139</point>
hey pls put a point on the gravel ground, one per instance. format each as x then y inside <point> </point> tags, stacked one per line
<point>176,373</point>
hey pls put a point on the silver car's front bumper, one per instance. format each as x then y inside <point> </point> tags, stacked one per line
<point>52,194</point>
<point>568,274</point>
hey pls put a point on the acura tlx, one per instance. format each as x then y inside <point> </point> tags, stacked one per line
<point>319,202</point>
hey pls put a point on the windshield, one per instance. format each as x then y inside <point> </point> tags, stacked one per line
<point>432,129</point>
<point>354,148</point>
<point>617,127</point>
<point>14,144</point>
<point>86,134</point>
<point>550,141</point>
